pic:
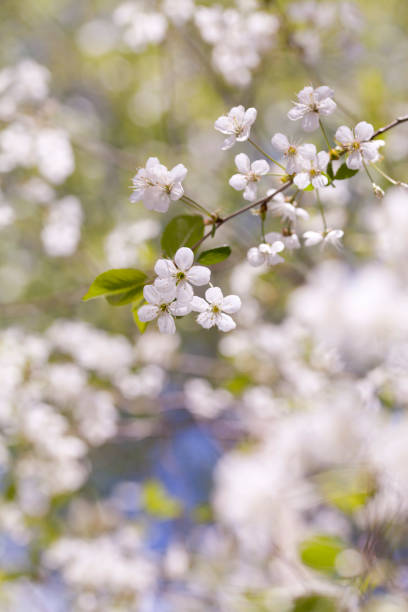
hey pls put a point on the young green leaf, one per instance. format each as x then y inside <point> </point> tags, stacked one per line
<point>114,282</point>
<point>213,256</point>
<point>184,230</point>
<point>320,552</point>
<point>344,173</point>
<point>127,297</point>
<point>314,603</point>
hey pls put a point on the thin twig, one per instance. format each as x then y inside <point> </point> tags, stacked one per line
<point>391,125</point>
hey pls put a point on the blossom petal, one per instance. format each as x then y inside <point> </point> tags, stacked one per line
<point>323,159</point>
<point>307,151</point>
<point>199,275</point>
<point>250,192</point>
<point>280,142</point>
<point>229,142</point>
<point>198,304</point>
<point>312,238</point>
<point>302,180</point>
<point>152,163</point>
<point>327,106</point>
<point>178,173</point>
<point>147,313</point>
<point>184,293</point>
<point>176,192</point>
<point>166,323</point>
<point>225,323</point>
<point>243,163</point>
<point>255,257</point>
<point>305,95</point>
<point>164,268</point>
<point>224,124</point>
<point>344,135</point>
<point>238,181</point>
<point>354,161</point>
<point>363,131</point>
<point>260,167</point>
<point>310,121</point>
<point>250,115</point>
<point>297,112</point>
<point>213,295</point>
<point>206,320</point>
<point>184,258</point>
<point>323,92</point>
<point>231,304</point>
<point>151,295</point>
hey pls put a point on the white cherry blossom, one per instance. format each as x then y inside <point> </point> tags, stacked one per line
<point>266,252</point>
<point>163,307</point>
<point>312,103</point>
<point>280,207</point>
<point>332,237</point>
<point>237,125</point>
<point>216,309</point>
<point>292,152</point>
<point>180,274</point>
<point>314,165</point>
<point>157,186</point>
<point>360,149</point>
<point>249,175</point>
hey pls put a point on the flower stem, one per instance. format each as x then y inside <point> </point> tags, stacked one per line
<point>324,134</point>
<point>391,180</point>
<point>321,209</point>
<point>187,200</point>
<point>368,174</point>
<point>265,154</point>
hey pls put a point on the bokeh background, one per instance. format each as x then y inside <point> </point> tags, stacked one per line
<point>261,470</point>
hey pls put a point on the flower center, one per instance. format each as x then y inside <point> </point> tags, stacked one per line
<point>215,309</point>
<point>292,150</point>
<point>355,146</point>
<point>180,276</point>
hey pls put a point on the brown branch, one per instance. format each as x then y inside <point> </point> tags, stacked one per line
<point>391,125</point>
<point>221,220</point>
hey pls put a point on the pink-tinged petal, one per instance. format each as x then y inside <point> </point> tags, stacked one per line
<point>354,161</point>
<point>206,320</point>
<point>255,257</point>
<point>243,163</point>
<point>250,192</point>
<point>213,295</point>
<point>307,151</point>
<point>319,181</point>
<point>184,258</point>
<point>244,133</point>
<point>250,116</point>
<point>176,192</point>
<point>363,131</point>
<point>260,167</point>
<point>137,195</point>
<point>310,121</point>
<point>224,125</point>
<point>297,112</point>
<point>273,237</point>
<point>344,135</point>
<point>199,275</point>
<point>184,293</point>
<point>280,142</point>
<point>167,288</point>
<point>302,180</point>
<point>147,313</point>
<point>301,213</point>
<point>225,323</point>
<point>292,242</point>
<point>152,163</point>
<point>238,181</point>
<point>305,95</point>
<point>312,238</point>
<point>164,268</point>
<point>151,295</point>
<point>166,323</point>
<point>178,173</point>
<point>198,304</point>
<point>323,159</point>
<point>229,142</point>
<point>231,304</point>
<point>273,259</point>
<point>327,107</point>
<point>323,92</point>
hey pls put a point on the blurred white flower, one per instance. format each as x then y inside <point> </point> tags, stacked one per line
<point>332,237</point>
<point>266,252</point>
<point>62,230</point>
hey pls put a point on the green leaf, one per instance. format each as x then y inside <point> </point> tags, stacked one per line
<point>142,325</point>
<point>132,295</point>
<point>158,502</point>
<point>184,230</point>
<point>115,282</point>
<point>314,603</point>
<point>213,256</point>
<point>309,188</point>
<point>320,552</point>
<point>344,173</point>
<point>329,171</point>
<point>346,489</point>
